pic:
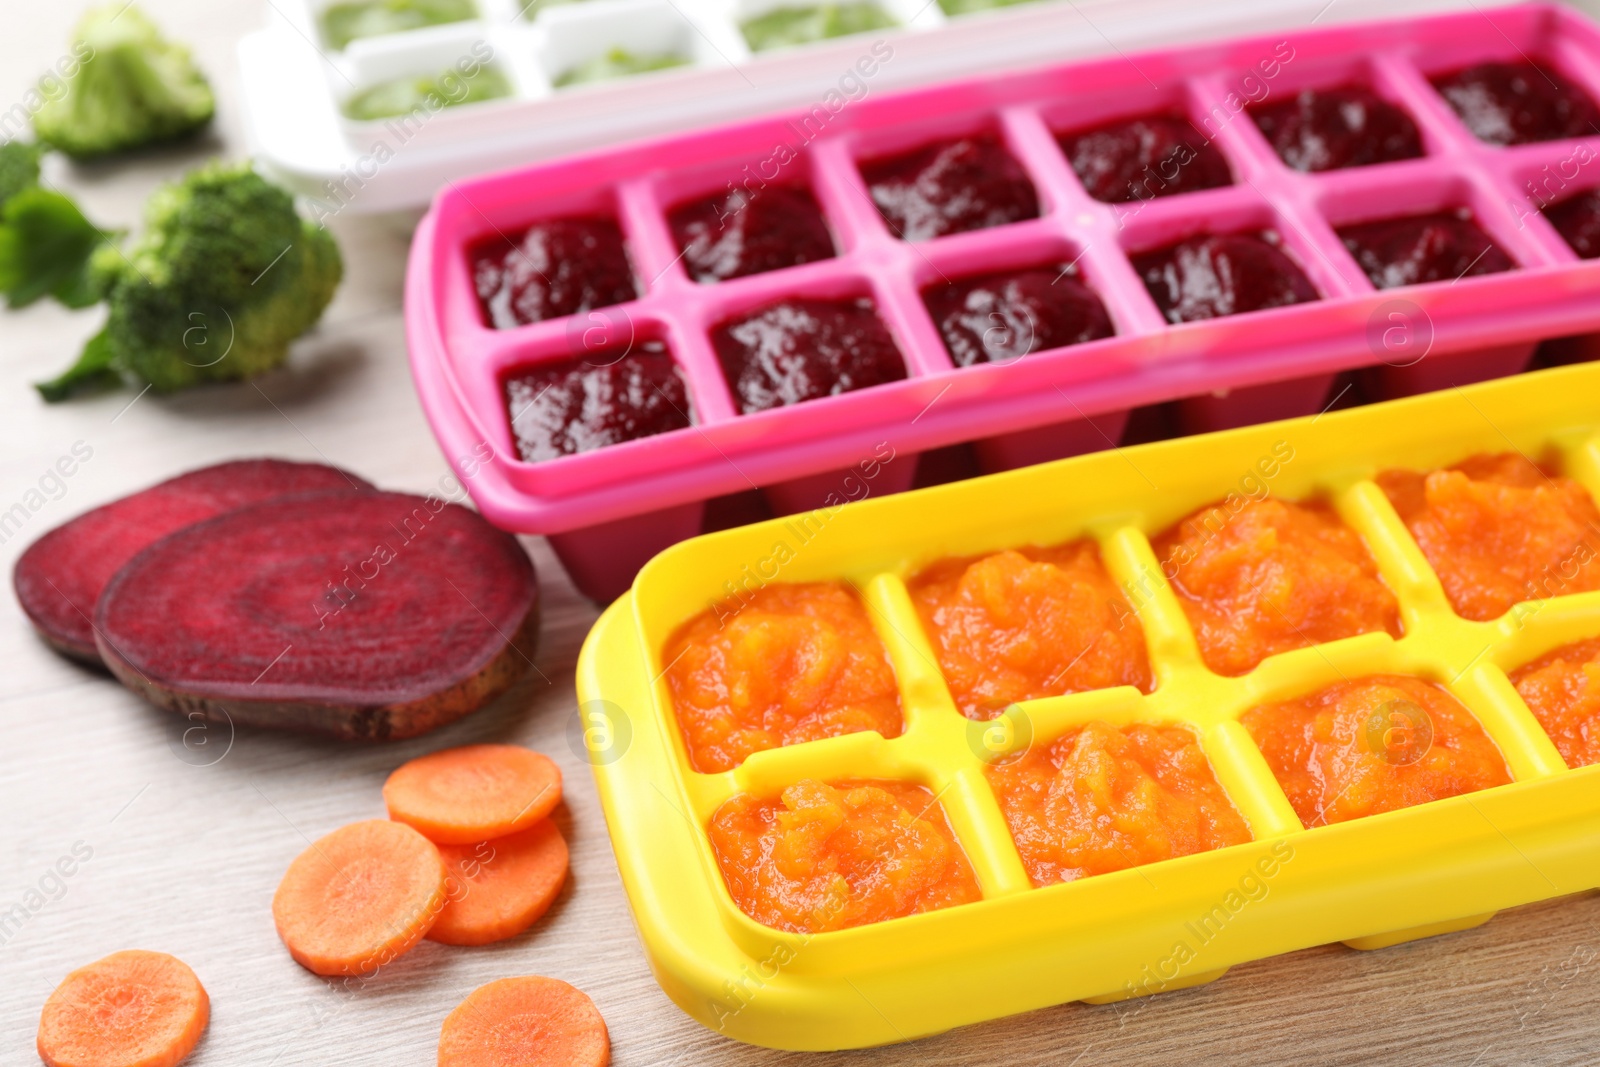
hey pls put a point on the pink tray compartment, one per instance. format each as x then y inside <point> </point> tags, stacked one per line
<point>607,511</point>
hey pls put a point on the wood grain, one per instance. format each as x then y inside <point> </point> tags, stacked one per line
<point>188,840</point>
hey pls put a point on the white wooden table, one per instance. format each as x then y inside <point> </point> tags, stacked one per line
<point>185,858</point>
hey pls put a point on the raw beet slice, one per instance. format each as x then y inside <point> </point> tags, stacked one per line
<point>60,576</point>
<point>360,614</point>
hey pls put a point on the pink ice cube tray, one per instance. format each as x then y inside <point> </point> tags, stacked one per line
<point>607,511</point>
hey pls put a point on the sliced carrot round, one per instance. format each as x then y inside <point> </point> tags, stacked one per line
<point>497,889</point>
<point>460,796</point>
<point>530,1022</point>
<point>359,897</point>
<point>131,1009</point>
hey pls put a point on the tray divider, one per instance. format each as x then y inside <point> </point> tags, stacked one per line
<point>924,696</point>
<point>900,306</point>
<point>1127,554</point>
<point>1082,222</point>
<point>1525,235</point>
<point>946,746</point>
<point>1494,702</point>
<point>643,219</point>
<point>1582,465</point>
<point>1365,508</point>
<point>1443,134</point>
<point>981,827</point>
<point>1243,773</point>
<point>843,195</point>
<point>1251,159</point>
<point>1578,62</point>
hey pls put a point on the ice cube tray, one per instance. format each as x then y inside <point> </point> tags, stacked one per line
<point>609,510</point>
<point>1370,882</point>
<point>294,84</point>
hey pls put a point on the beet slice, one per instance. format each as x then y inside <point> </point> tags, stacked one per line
<point>360,614</point>
<point>60,576</point>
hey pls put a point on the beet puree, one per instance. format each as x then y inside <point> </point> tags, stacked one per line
<point>998,317</point>
<point>804,349</point>
<point>555,268</point>
<point>1578,222</point>
<point>578,405</point>
<point>1326,129</point>
<point>950,187</point>
<point>741,232</point>
<point>1145,158</point>
<point>1428,248</point>
<point>1215,275</point>
<point>1518,103</point>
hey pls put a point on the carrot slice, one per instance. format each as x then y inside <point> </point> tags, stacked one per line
<point>359,897</point>
<point>460,796</point>
<point>531,1022</point>
<point>497,889</point>
<point>131,1009</point>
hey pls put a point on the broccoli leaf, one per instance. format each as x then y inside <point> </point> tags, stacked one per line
<point>133,88</point>
<point>19,168</point>
<point>95,368</point>
<point>45,245</point>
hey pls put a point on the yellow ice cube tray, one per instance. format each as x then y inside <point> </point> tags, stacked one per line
<point>1371,882</point>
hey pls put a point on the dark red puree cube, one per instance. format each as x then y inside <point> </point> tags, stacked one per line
<point>993,318</point>
<point>1425,248</point>
<point>1518,103</point>
<point>1328,129</point>
<point>750,231</point>
<point>604,398</point>
<point>1143,158</point>
<point>950,187</point>
<point>554,268</point>
<point>1578,222</point>
<point>801,350</point>
<point>1215,275</point>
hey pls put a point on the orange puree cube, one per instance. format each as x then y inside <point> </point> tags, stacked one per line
<point>1029,623</point>
<point>1270,577</point>
<point>826,857</point>
<point>1103,798</point>
<point>785,664</point>
<point>1562,689</point>
<point>1499,530</point>
<point>1372,745</point>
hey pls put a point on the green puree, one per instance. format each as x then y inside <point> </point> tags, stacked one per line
<point>344,22</point>
<point>784,26</point>
<point>968,7</point>
<point>405,95</point>
<point>533,7</point>
<point>617,63</point>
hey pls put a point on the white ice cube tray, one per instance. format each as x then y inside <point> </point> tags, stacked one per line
<point>295,85</point>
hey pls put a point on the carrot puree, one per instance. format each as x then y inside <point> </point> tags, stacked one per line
<point>1499,530</point>
<point>1103,798</point>
<point>784,664</point>
<point>827,857</point>
<point>1371,745</point>
<point>1029,623</point>
<point>1562,689</point>
<point>1271,577</point>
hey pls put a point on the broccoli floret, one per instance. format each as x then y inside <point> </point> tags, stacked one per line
<point>132,88</point>
<point>224,277</point>
<point>19,168</point>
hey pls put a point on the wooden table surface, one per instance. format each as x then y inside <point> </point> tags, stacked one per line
<point>185,857</point>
